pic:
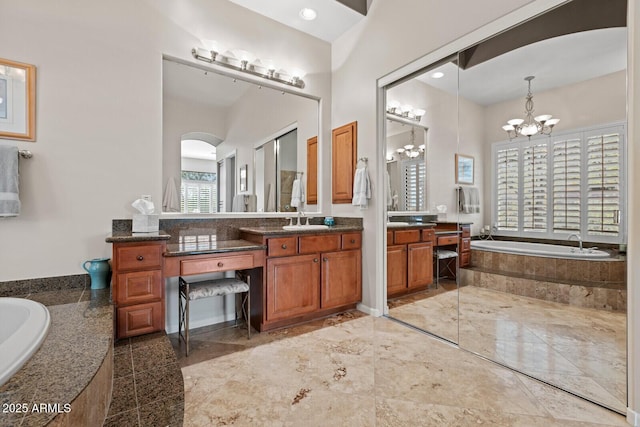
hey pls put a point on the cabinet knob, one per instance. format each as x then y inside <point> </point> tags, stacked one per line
<point>315,260</point>
<point>325,259</point>
<point>284,246</point>
<point>140,258</point>
<point>220,264</point>
<point>353,240</point>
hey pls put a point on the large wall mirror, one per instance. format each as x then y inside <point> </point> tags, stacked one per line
<point>559,317</point>
<point>230,145</point>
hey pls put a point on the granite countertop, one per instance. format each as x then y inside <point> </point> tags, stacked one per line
<point>278,230</point>
<point>127,236</point>
<point>210,246</point>
<point>411,225</point>
<point>79,338</point>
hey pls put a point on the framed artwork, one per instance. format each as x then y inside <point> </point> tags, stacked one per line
<point>243,178</point>
<point>464,169</point>
<point>17,100</point>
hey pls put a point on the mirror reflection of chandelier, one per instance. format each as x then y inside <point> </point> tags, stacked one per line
<point>410,149</point>
<point>530,126</point>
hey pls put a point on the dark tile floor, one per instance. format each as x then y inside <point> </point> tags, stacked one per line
<point>148,389</point>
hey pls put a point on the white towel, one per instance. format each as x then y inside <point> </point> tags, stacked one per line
<point>297,194</point>
<point>271,200</point>
<point>251,201</point>
<point>469,200</point>
<point>238,203</point>
<point>170,199</point>
<point>9,195</point>
<point>361,188</point>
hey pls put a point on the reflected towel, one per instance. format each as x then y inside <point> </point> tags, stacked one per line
<point>251,202</point>
<point>297,194</point>
<point>468,200</point>
<point>170,199</point>
<point>361,188</point>
<point>387,188</point>
<point>9,195</point>
<point>238,203</point>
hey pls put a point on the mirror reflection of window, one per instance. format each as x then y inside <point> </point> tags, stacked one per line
<point>199,178</point>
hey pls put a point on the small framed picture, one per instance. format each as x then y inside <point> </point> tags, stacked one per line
<point>243,178</point>
<point>17,100</point>
<point>464,169</point>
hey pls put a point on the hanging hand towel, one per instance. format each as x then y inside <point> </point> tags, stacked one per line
<point>469,200</point>
<point>238,204</point>
<point>170,200</point>
<point>9,200</point>
<point>361,188</point>
<point>297,194</point>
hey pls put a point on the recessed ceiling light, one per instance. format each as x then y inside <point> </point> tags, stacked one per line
<point>437,75</point>
<point>308,14</point>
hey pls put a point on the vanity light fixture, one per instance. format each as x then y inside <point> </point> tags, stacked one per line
<point>405,111</point>
<point>245,62</point>
<point>530,126</point>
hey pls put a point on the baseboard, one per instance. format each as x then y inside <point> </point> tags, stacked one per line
<point>369,310</point>
<point>633,417</point>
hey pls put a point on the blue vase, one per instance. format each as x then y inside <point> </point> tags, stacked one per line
<point>99,270</point>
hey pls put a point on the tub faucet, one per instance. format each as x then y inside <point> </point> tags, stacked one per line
<point>578,238</point>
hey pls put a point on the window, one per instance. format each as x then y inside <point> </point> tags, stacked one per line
<point>198,192</point>
<point>554,186</point>
<point>413,177</point>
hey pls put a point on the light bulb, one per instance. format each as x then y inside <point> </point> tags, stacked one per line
<point>308,14</point>
<point>515,122</point>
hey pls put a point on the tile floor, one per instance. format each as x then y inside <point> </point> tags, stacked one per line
<point>357,370</point>
<point>579,349</point>
<point>148,388</point>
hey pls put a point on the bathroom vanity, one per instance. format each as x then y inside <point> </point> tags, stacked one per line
<point>296,275</point>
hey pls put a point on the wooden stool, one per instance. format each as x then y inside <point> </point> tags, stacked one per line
<point>191,291</point>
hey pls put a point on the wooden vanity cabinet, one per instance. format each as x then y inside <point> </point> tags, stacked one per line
<point>344,149</point>
<point>138,288</point>
<point>465,245</point>
<point>309,276</point>
<point>409,260</point>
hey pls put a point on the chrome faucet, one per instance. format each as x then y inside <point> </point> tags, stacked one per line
<point>300,215</point>
<point>578,238</point>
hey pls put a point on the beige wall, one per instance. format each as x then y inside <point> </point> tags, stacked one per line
<point>99,112</point>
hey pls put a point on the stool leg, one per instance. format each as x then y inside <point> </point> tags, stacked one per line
<point>248,313</point>
<point>186,320</point>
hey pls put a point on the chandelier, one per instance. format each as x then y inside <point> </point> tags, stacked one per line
<point>410,149</point>
<point>530,126</point>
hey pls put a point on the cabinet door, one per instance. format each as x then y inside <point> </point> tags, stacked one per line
<point>312,170</point>
<point>140,319</point>
<point>396,269</point>
<point>420,264</point>
<point>138,286</point>
<point>293,286</point>
<point>343,162</point>
<point>341,278</point>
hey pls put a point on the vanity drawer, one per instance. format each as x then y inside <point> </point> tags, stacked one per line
<point>448,240</point>
<point>351,240</point>
<point>140,319</point>
<point>137,257</point>
<point>138,286</point>
<point>406,236</point>
<point>465,242</point>
<point>466,230</point>
<point>389,238</point>
<point>282,246</point>
<point>428,235</point>
<point>323,243</point>
<point>216,264</point>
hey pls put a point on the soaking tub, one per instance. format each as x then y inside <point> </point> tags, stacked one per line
<point>537,249</point>
<point>24,324</point>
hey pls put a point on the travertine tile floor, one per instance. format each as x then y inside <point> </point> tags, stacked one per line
<point>357,370</point>
<point>579,349</point>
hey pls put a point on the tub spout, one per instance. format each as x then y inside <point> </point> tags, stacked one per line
<point>578,238</point>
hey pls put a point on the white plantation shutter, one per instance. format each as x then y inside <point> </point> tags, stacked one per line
<point>507,188</point>
<point>555,186</point>
<point>603,184</point>
<point>567,190</point>
<point>197,197</point>
<point>414,172</point>
<point>534,187</point>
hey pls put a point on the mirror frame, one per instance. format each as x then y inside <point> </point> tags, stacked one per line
<point>266,84</point>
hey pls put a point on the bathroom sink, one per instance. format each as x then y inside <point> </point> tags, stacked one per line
<point>396,224</point>
<point>305,227</point>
